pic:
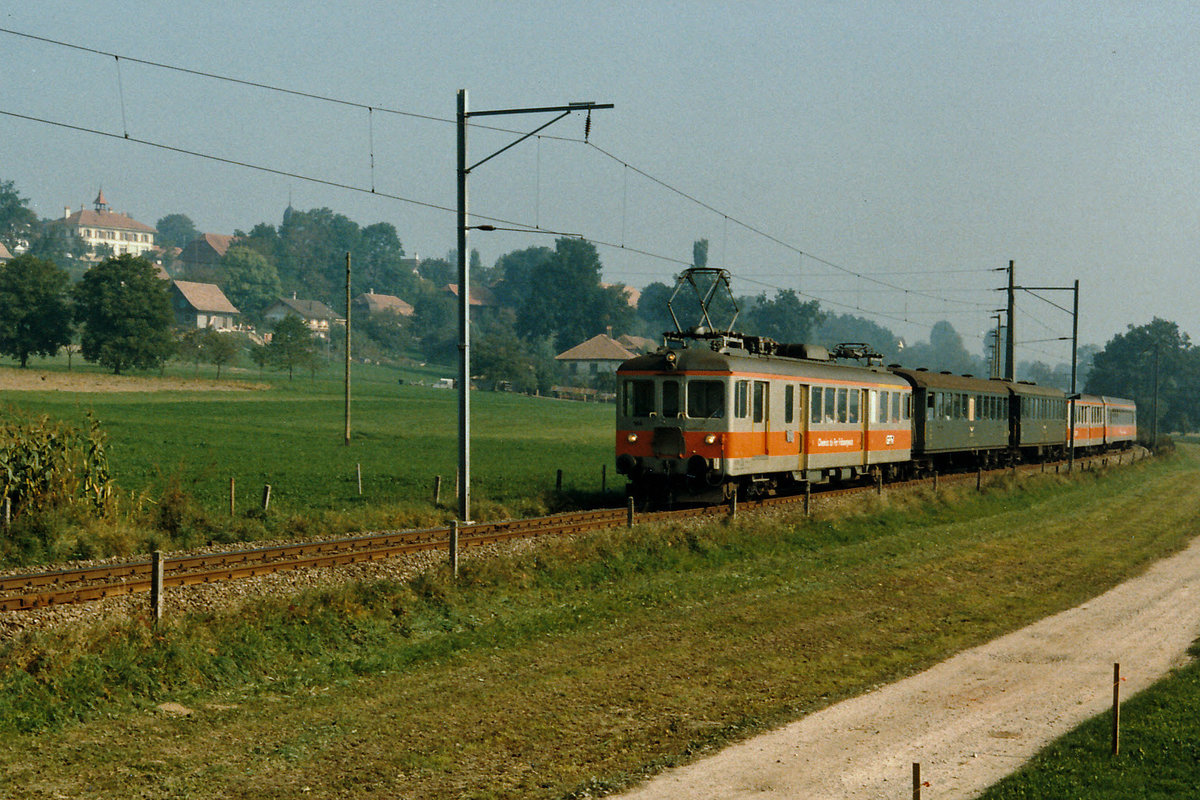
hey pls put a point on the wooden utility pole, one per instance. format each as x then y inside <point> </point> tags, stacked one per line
<point>347,442</point>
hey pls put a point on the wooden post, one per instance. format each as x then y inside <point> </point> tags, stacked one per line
<point>558,481</point>
<point>437,490</point>
<point>266,496</point>
<point>878,481</point>
<point>916,780</point>
<point>733,506</point>
<point>347,438</point>
<point>935,480</point>
<point>1116,714</point>
<point>156,586</point>
<point>807,498</point>
<point>979,480</point>
<point>358,472</point>
<point>232,496</point>
<point>454,547</point>
<point>603,478</point>
<point>629,514</point>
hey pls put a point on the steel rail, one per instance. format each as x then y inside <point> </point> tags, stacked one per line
<point>96,583</point>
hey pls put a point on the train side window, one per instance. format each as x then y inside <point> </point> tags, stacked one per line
<point>906,407</point>
<point>841,405</point>
<point>760,400</point>
<point>855,401</point>
<point>934,411</point>
<point>830,404</point>
<point>815,406</point>
<point>895,407</point>
<point>741,399</point>
<point>639,398</point>
<point>706,399</point>
<point>789,403</point>
<point>881,413</point>
<point>670,399</point>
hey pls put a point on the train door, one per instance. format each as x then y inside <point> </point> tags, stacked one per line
<point>869,411</point>
<point>796,413</point>
<point>760,403</point>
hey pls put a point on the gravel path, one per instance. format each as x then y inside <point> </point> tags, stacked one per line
<point>973,719</point>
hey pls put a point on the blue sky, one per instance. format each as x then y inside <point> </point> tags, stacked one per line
<point>891,153</point>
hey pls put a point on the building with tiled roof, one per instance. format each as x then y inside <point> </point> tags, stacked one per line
<point>481,296</point>
<point>599,354</point>
<point>4,254</point>
<point>101,227</point>
<point>203,255</point>
<point>202,305</point>
<point>316,315</point>
<point>371,303</point>
<point>638,344</point>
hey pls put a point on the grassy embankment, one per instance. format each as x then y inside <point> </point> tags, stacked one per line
<point>173,453</point>
<point>578,666</point>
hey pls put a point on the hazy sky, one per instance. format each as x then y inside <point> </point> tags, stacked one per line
<point>917,145</point>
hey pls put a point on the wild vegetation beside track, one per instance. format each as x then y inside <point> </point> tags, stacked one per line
<point>576,667</point>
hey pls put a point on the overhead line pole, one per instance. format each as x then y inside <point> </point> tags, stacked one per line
<point>464,277</point>
<point>1074,349</point>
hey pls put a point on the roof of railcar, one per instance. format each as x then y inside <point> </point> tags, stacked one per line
<point>704,360</point>
<point>957,383</point>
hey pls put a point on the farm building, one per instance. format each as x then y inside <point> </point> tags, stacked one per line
<point>201,305</point>
<point>316,315</point>
<point>370,303</point>
<point>598,355</point>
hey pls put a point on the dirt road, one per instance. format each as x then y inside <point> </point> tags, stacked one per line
<point>973,719</point>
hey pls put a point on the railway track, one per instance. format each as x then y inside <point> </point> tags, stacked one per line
<point>61,587</point>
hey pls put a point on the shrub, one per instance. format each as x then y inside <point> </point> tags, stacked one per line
<point>47,464</point>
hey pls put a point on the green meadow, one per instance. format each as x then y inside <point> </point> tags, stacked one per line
<point>181,448</point>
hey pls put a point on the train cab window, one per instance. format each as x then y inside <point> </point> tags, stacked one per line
<point>855,395</point>
<point>670,399</point>
<point>741,399</point>
<point>815,406</point>
<point>705,399</point>
<point>760,401</point>
<point>789,404</point>
<point>639,398</point>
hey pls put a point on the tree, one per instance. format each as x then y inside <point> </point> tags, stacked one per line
<point>17,221</point>
<point>175,230</point>
<point>515,274</point>
<point>652,308</point>
<point>567,301</point>
<point>1126,368</point>
<point>785,318</point>
<point>944,351</point>
<point>311,256</point>
<point>437,271</point>
<point>838,328</point>
<point>220,349</point>
<point>125,313</point>
<point>292,345</point>
<point>379,262</point>
<point>250,281</point>
<point>35,315</point>
<point>700,253</point>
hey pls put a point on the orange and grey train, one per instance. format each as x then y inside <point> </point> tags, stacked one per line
<point>710,415</point>
<point>713,414</point>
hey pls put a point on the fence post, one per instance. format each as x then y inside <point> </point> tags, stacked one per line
<point>1116,712</point>
<point>437,490</point>
<point>807,498</point>
<point>629,514</point>
<point>232,496</point>
<point>878,481</point>
<point>358,472</point>
<point>603,478</point>
<point>916,775</point>
<point>454,547</point>
<point>733,506</point>
<point>156,586</point>
<point>558,481</point>
<point>935,480</point>
<point>979,480</point>
<point>266,496</point>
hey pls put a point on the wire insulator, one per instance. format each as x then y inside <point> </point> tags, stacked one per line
<point>587,126</point>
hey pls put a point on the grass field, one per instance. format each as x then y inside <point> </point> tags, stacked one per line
<point>575,668</point>
<point>291,436</point>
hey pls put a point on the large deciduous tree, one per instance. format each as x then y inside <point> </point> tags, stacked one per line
<point>35,313</point>
<point>125,313</point>
<point>784,318</point>
<point>175,230</point>
<point>292,345</point>
<point>17,221</point>
<point>1128,364</point>
<point>250,281</point>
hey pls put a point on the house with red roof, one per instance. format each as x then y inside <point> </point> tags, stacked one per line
<point>100,227</point>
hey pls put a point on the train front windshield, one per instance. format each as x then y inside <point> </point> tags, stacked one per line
<point>644,397</point>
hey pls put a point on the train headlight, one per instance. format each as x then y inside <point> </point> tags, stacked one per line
<point>631,437</point>
<point>710,439</point>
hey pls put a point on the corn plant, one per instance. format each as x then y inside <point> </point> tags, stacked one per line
<point>47,463</point>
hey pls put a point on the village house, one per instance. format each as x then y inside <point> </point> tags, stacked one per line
<point>370,303</point>
<point>316,315</point>
<point>202,256</point>
<point>599,355</point>
<point>202,305</point>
